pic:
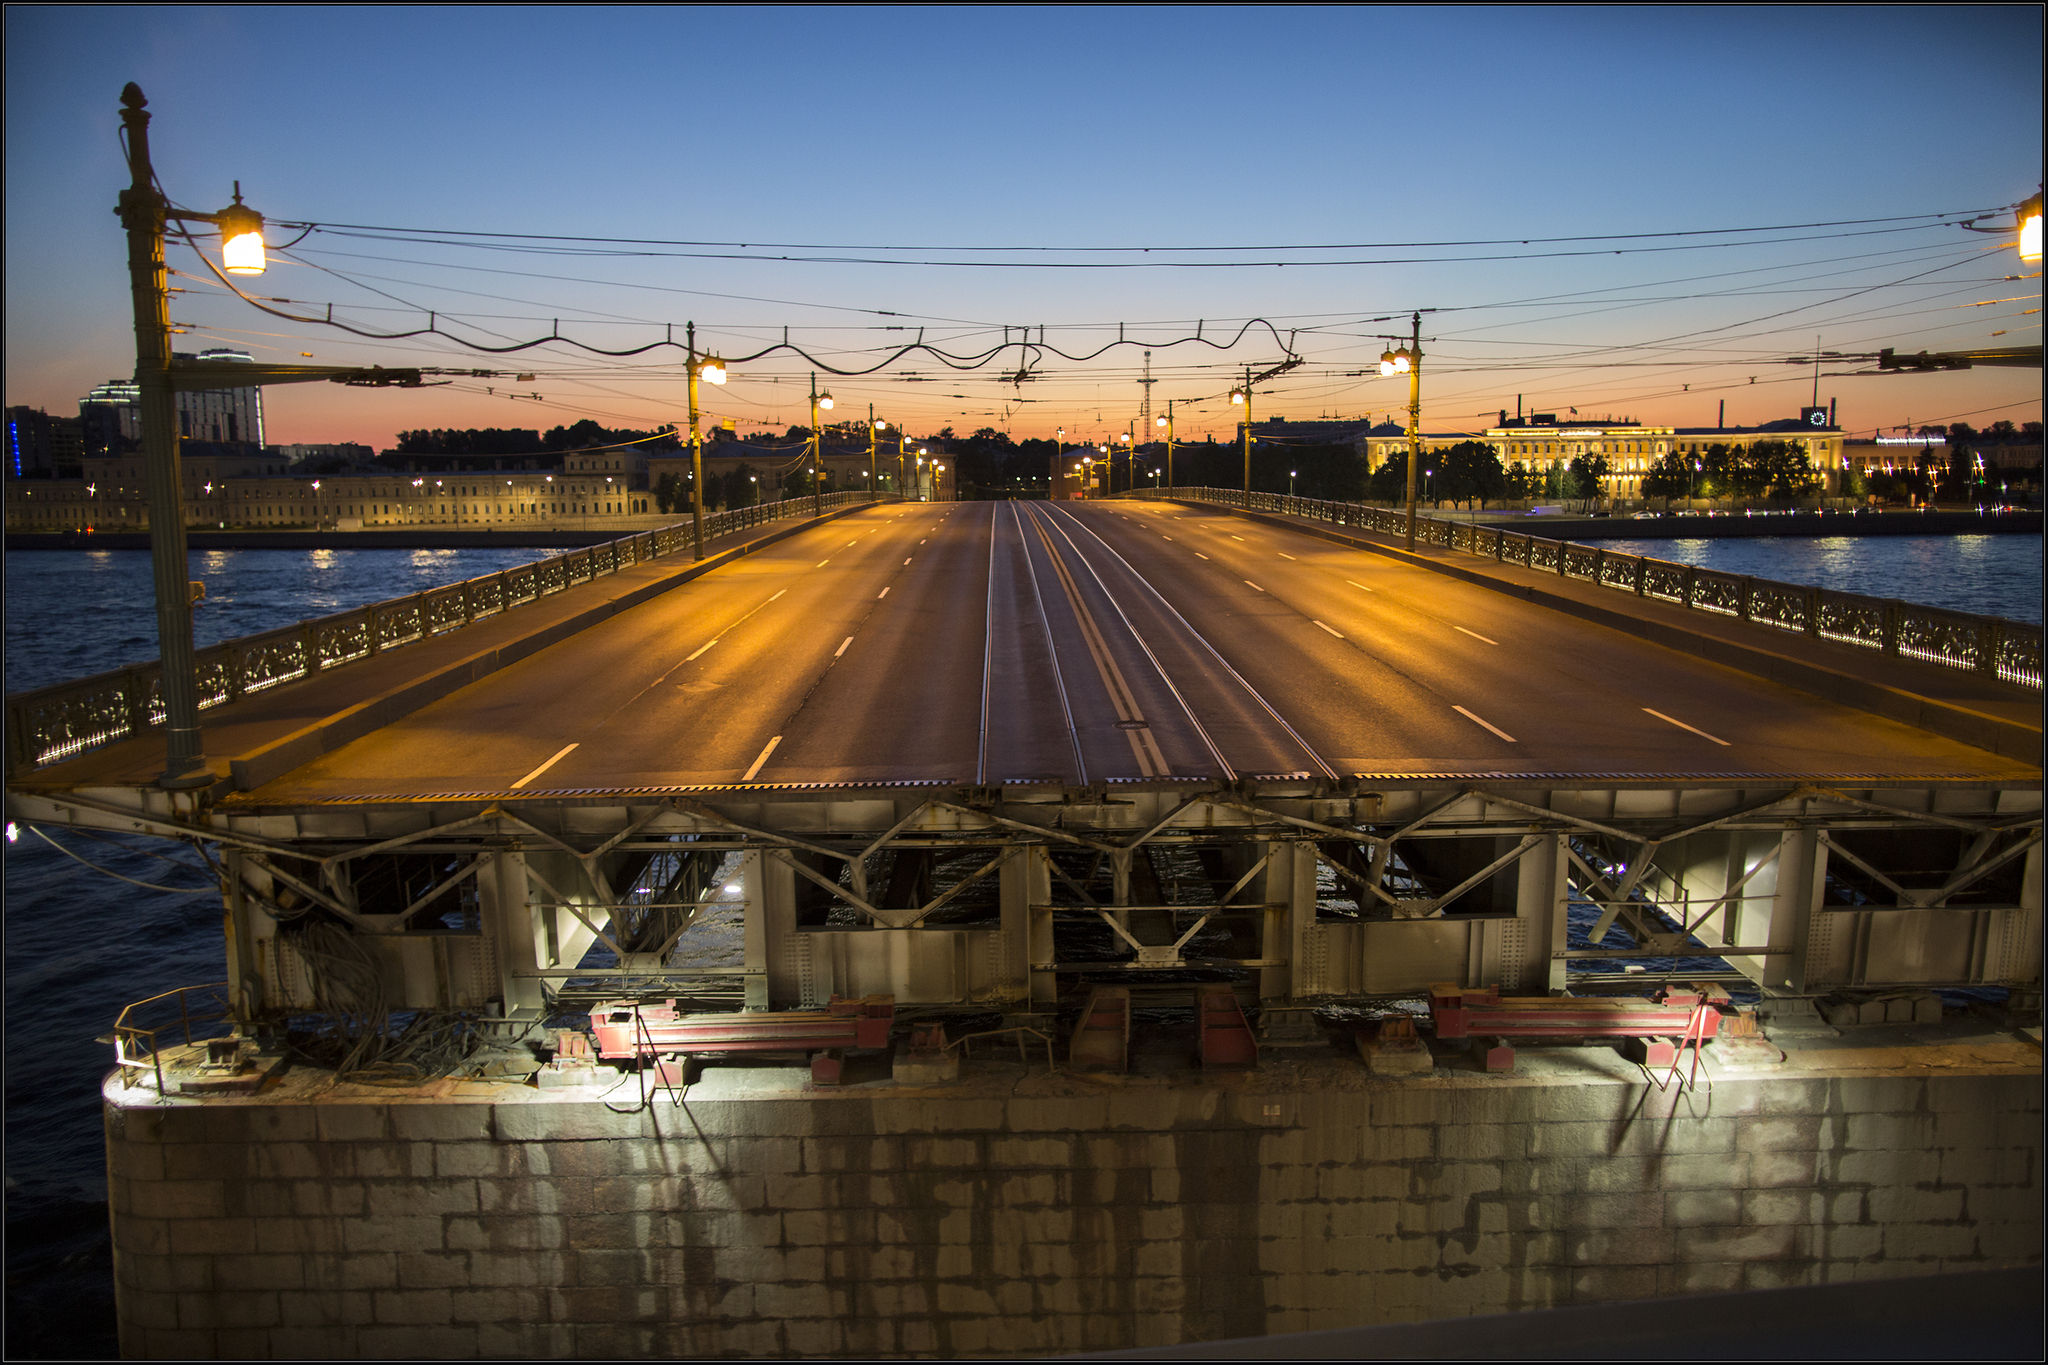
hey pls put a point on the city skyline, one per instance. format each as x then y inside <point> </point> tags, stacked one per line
<point>958,173</point>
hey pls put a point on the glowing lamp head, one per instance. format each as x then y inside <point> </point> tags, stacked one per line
<point>241,235</point>
<point>2030,231</point>
<point>1237,398</point>
<point>1159,421</point>
<point>1403,362</point>
<point>825,401</point>
<point>1386,362</point>
<point>713,371</point>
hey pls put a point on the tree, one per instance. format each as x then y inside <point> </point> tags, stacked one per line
<point>668,492</point>
<point>1782,466</point>
<point>1585,475</point>
<point>1668,478</point>
<point>1471,470</point>
<point>1524,482</point>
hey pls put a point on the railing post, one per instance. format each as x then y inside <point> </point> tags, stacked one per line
<point>1813,612</point>
<point>1889,632</point>
<point>1642,569</point>
<point>1742,601</point>
<point>1692,578</point>
<point>1990,636</point>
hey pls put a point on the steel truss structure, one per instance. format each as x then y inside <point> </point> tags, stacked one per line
<point>1009,898</point>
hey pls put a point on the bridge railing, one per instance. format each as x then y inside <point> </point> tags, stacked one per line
<point>1991,645</point>
<point>58,722</point>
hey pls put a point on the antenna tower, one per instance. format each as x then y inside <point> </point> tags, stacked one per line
<point>1145,409</point>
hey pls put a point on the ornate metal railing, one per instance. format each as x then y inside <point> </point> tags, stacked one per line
<point>58,722</point>
<point>1952,639</point>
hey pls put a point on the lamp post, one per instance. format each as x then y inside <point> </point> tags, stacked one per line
<point>713,369</point>
<point>818,400</point>
<point>1167,422</point>
<point>874,478</point>
<point>316,504</point>
<point>144,213</point>
<point>1243,397</point>
<point>1059,442</point>
<point>1408,360</point>
<point>1290,483</point>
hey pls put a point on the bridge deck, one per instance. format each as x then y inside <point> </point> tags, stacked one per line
<point>1007,643</point>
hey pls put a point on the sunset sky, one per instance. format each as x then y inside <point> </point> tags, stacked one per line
<point>1745,184</point>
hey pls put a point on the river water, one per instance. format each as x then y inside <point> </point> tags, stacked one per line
<point>81,946</point>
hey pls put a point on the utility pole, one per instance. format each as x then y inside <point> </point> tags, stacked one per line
<point>143,213</point>
<point>696,450</point>
<point>1414,420</point>
<point>1248,438</point>
<point>1169,444</point>
<point>874,489</point>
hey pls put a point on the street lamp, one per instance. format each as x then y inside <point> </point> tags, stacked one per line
<point>874,477</point>
<point>1243,398</point>
<point>316,504</point>
<point>2030,231</point>
<point>1408,360</point>
<point>1167,422</point>
<point>712,369</point>
<point>1290,483</point>
<point>824,401</point>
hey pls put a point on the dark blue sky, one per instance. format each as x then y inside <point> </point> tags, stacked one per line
<point>1206,127</point>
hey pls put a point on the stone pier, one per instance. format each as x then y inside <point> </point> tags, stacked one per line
<point>1018,1212</point>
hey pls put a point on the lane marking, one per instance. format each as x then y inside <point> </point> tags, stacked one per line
<point>1237,537</point>
<point>1337,634</point>
<point>1683,726</point>
<point>693,657</point>
<point>882,594</point>
<point>1200,555</point>
<point>762,759</point>
<point>823,562</point>
<point>1475,635</point>
<point>1253,586</point>
<point>778,593</point>
<point>1166,537</point>
<point>1360,586</point>
<point>545,766</point>
<point>842,646</point>
<point>907,560</point>
<point>920,542</point>
<point>1284,555</point>
<point>1476,721</point>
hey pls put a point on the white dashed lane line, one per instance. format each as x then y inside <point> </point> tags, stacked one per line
<point>842,646</point>
<point>1476,721</point>
<point>1360,586</point>
<point>1475,635</point>
<point>1338,634</point>
<point>1683,726</point>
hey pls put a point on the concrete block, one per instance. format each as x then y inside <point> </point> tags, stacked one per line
<point>345,1121</point>
<point>150,1309</point>
<point>237,1274</point>
<point>1615,1175</point>
<point>1620,1246</point>
<point>392,1160</point>
<point>1907,1204</point>
<point>440,1121</point>
<point>239,1310</point>
<point>210,1161</point>
<point>178,1198</point>
<point>1927,1242</point>
<point>328,1198</point>
<point>392,1234</point>
<point>1612,1283</point>
<point>433,1269</point>
<point>1637,1209</point>
<point>471,1159</point>
<point>1780,1169</point>
<point>784,1301</point>
<point>793,1192</point>
<point>415,1198</point>
<point>324,1309</point>
<point>307,1343</point>
<point>1066,1114</point>
<point>212,1236</point>
<point>1695,1207</point>
<point>806,1227</point>
<point>1842,1242</point>
<point>417,1342</point>
<point>298,1236</point>
<point>1730,1244</point>
<point>556,1120</point>
<point>1890,1132</point>
<point>301,1161</point>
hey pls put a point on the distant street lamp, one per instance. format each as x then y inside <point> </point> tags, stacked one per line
<point>1290,483</point>
<point>1167,422</point>
<point>316,504</point>
<point>874,477</point>
<point>1408,360</point>
<point>818,400</point>
<point>1243,398</point>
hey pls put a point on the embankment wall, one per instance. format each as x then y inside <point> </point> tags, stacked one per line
<point>1021,1214</point>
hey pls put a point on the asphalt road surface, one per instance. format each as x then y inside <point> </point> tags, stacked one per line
<point>999,643</point>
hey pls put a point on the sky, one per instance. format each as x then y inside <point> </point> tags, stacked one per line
<point>1744,186</point>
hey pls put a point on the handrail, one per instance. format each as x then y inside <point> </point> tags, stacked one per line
<point>49,724</point>
<point>1991,645</point>
<point>126,1033</point>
